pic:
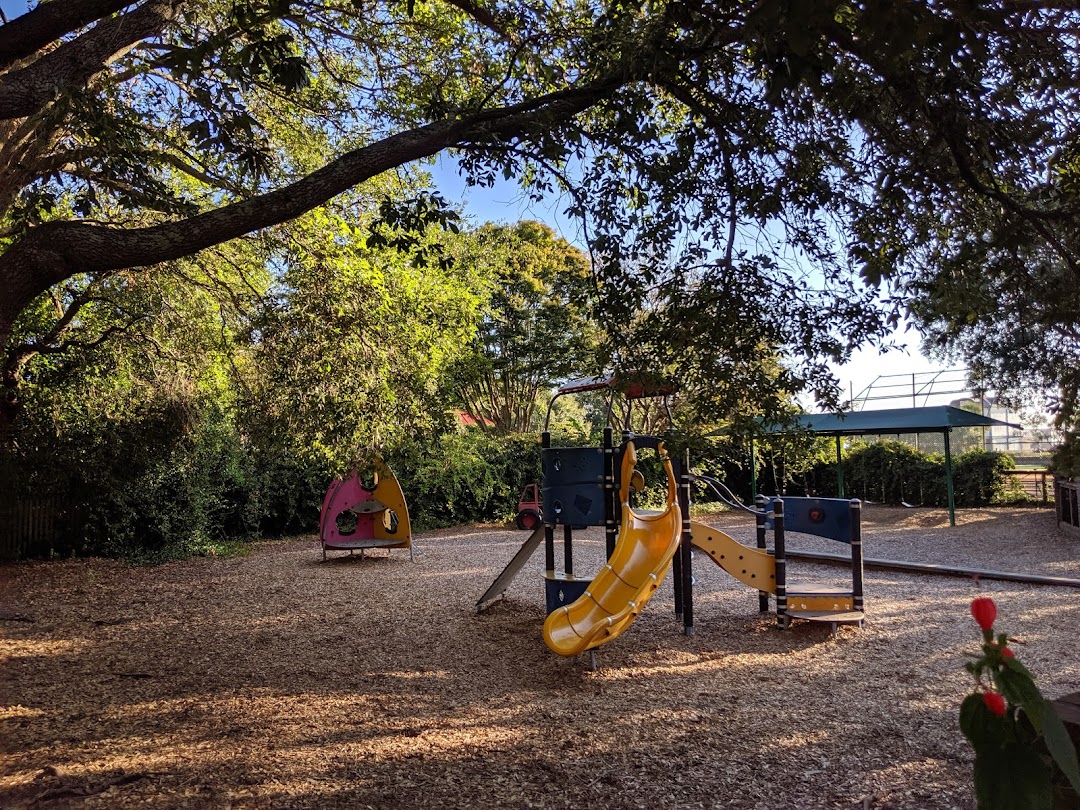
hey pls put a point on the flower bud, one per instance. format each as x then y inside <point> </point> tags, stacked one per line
<point>985,611</point>
<point>995,703</point>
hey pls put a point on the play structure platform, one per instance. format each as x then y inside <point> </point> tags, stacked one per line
<point>766,569</point>
<point>358,515</point>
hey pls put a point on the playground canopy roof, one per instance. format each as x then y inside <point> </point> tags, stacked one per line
<point>936,419</point>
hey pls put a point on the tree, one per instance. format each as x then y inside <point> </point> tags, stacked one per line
<point>702,144</point>
<point>536,329</point>
<point>351,346</point>
<point>1011,308</point>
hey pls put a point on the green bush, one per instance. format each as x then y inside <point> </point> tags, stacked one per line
<point>167,479</point>
<point>893,472</point>
<point>1065,463</point>
<point>979,477</point>
<point>465,477</point>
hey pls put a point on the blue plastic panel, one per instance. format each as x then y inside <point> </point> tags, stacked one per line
<point>559,592</point>
<point>824,517</point>
<point>575,504</point>
<point>572,465</point>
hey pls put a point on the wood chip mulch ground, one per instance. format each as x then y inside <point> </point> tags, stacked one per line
<point>282,681</point>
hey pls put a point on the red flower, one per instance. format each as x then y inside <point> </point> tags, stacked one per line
<point>1007,653</point>
<point>995,703</point>
<point>985,611</point>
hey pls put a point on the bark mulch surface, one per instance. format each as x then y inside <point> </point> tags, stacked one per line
<point>281,681</point>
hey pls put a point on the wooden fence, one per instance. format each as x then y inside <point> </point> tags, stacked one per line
<point>32,526</point>
<point>1067,502</point>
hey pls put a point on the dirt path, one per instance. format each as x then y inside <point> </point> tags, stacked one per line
<point>280,681</point>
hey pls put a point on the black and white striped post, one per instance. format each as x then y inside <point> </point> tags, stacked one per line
<point>856,555</point>
<point>781,563</point>
<point>761,503</point>
<point>685,545</point>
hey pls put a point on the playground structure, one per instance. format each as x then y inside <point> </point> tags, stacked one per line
<point>358,515</point>
<point>640,561</point>
<point>766,569</point>
<point>591,486</point>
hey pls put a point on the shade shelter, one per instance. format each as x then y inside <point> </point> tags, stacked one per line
<point>941,419</point>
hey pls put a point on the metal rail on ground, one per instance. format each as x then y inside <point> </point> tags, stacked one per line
<point>937,568</point>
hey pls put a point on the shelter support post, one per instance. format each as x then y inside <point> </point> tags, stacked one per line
<point>839,467</point>
<point>949,479</point>
<point>753,471</point>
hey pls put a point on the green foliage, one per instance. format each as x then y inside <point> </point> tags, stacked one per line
<point>535,329</point>
<point>1024,759</point>
<point>351,348</point>
<point>893,472</point>
<point>1065,462</point>
<point>465,476</point>
<point>979,479</point>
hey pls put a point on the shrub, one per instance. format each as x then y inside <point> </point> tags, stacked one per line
<point>465,477</point>
<point>1024,758</point>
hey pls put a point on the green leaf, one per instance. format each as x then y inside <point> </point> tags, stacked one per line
<point>1019,689</point>
<point>1061,747</point>
<point>1012,777</point>
<point>981,726</point>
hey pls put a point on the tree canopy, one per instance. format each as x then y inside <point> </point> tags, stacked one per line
<point>537,327</point>
<point>736,164</point>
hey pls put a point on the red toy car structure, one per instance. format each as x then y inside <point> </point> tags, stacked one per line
<point>529,514</point>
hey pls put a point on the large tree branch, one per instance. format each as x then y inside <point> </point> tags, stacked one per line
<point>23,92</point>
<point>953,135</point>
<point>30,32</point>
<point>53,252</point>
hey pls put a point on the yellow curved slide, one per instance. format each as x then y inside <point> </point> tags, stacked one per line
<point>751,566</point>
<point>638,565</point>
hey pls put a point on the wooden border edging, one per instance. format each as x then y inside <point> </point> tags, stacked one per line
<point>933,568</point>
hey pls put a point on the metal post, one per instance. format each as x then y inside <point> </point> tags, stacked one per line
<point>568,549</point>
<point>677,581</point>
<point>683,468</point>
<point>612,508</point>
<point>761,502</point>
<point>839,468</point>
<point>948,478</point>
<point>856,555</point>
<point>549,518</point>
<point>781,563</point>
<point>677,561</point>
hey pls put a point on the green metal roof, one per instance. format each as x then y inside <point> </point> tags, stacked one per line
<point>894,420</point>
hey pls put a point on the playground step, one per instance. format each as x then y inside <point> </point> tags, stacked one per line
<point>808,589</point>
<point>832,616</point>
<point>817,598</point>
<point>562,576</point>
<point>368,507</point>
